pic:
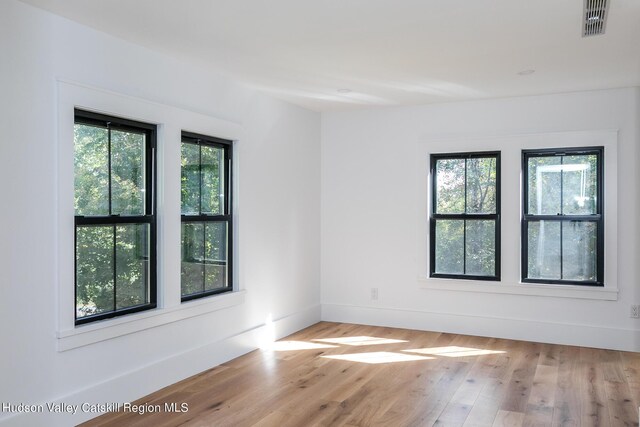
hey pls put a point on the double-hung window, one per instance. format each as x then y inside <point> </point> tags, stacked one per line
<point>206,207</point>
<point>562,221</point>
<point>115,226</point>
<point>465,216</point>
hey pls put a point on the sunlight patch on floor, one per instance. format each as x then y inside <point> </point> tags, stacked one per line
<point>454,351</point>
<point>356,341</point>
<point>378,357</point>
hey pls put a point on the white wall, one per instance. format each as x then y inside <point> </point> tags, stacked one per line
<point>374,186</point>
<point>279,179</point>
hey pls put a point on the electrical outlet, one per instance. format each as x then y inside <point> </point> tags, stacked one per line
<point>374,293</point>
<point>635,311</point>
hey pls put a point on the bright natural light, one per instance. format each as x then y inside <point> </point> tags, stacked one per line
<point>297,345</point>
<point>378,357</point>
<point>268,333</point>
<point>363,340</point>
<point>454,351</point>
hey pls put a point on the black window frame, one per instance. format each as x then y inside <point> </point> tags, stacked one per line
<point>149,218</point>
<point>434,216</point>
<point>225,217</point>
<point>598,218</point>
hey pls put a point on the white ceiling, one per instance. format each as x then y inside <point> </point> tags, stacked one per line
<point>387,52</point>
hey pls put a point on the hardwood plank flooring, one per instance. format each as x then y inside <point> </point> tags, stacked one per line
<point>335,374</point>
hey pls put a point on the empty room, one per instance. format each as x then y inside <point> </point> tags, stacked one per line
<point>332,213</point>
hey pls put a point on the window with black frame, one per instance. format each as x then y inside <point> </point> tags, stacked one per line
<point>562,222</point>
<point>115,227</point>
<point>465,216</point>
<point>206,209</point>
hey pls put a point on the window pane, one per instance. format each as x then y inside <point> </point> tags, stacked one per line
<point>579,184</point>
<point>449,247</point>
<point>94,270</point>
<point>127,173</point>
<point>579,250</point>
<point>132,265</point>
<point>544,250</point>
<point>216,256</point>
<point>481,185</point>
<point>190,188</point>
<point>544,185</point>
<point>450,186</point>
<point>91,168</point>
<point>192,279</point>
<point>481,248</point>
<point>212,180</point>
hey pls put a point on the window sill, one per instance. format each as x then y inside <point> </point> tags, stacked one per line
<point>559,291</point>
<point>113,328</point>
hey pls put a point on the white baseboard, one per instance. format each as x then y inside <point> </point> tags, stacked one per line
<point>130,386</point>
<point>519,329</point>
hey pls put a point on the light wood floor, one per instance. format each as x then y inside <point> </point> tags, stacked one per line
<point>446,379</point>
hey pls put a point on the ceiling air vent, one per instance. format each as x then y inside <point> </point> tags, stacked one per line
<point>595,17</point>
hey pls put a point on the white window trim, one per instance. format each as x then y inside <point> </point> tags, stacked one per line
<point>519,288</point>
<point>511,147</point>
<point>107,329</point>
<point>171,122</point>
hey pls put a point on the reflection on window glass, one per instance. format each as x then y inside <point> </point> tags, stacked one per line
<point>216,255</point>
<point>212,180</point>
<point>579,185</point>
<point>132,265</point>
<point>544,185</point>
<point>192,258</point>
<point>544,250</point>
<point>579,250</point>
<point>206,216</point>
<point>204,256</point>
<point>107,281</point>
<point>114,224</point>
<point>465,217</point>
<point>91,170</point>
<point>563,216</point>
<point>450,191</point>
<point>450,246</point>
<point>562,185</point>
<point>480,247</point>
<point>190,188</point>
<point>95,184</point>
<point>481,185</point>
<point>94,270</point>
<point>575,259</point>
<point>127,173</point>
